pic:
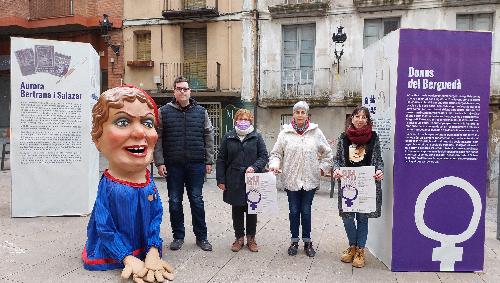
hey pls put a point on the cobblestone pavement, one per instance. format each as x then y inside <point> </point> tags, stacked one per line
<point>48,249</point>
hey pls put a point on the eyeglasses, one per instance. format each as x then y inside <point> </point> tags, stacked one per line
<point>182,89</point>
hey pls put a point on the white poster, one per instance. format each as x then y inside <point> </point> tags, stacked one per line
<point>262,196</point>
<point>55,165</point>
<point>358,189</point>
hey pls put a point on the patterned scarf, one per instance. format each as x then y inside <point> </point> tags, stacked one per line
<point>359,136</point>
<point>300,130</point>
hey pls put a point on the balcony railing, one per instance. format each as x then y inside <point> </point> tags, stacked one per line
<point>381,5</point>
<point>348,83</point>
<point>190,9</point>
<point>201,77</point>
<point>296,84</point>
<point>282,87</point>
<point>41,9</point>
<point>298,8</point>
<point>468,2</point>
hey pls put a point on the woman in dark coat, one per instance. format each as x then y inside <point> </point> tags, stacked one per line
<point>242,151</point>
<point>358,146</point>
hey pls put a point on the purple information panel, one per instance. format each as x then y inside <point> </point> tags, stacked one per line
<point>440,160</point>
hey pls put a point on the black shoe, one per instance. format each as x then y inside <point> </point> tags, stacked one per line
<point>294,247</point>
<point>176,244</point>
<point>308,248</point>
<point>204,245</point>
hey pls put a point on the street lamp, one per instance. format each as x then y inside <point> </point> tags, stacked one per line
<point>338,40</point>
<point>106,27</point>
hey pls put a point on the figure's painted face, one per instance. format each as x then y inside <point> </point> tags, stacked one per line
<point>359,120</point>
<point>128,137</point>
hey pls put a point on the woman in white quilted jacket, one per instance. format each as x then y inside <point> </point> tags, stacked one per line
<point>300,153</point>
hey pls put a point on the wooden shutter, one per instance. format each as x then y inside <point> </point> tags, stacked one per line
<point>298,52</point>
<point>194,4</point>
<point>464,22</point>
<point>483,22</point>
<point>371,31</point>
<point>390,24</point>
<point>307,34</point>
<point>143,46</point>
<point>195,57</point>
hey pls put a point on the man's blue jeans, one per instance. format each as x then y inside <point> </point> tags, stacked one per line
<point>356,232</point>
<point>299,205</point>
<point>192,176</point>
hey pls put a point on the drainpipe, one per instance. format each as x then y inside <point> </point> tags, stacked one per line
<point>255,43</point>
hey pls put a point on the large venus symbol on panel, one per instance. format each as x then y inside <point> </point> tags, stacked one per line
<point>448,253</point>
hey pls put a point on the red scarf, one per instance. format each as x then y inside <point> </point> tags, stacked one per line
<point>359,136</point>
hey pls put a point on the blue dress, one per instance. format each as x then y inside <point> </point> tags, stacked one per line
<point>125,221</point>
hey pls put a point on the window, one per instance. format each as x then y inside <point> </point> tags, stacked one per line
<point>375,29</point>
<point>195,57</point>
<point>298,54</point>
<point>475,22</point>
<point>287,119</point>
<point>195,4</point>
<point>143,47</point>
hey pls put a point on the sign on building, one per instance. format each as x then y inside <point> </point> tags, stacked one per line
<point>428,92</point>
<point>54,163</point>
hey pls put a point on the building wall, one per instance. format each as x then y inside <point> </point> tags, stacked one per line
<point>429,14</point>
<point>142,9</point>
<point>330,121</point>
<point>153,8</point>
<point>14,8</point>
<point>223,44</point>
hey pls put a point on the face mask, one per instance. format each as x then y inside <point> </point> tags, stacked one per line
<point>243,124</point>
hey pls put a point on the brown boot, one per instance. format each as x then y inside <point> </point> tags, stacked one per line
<point>238,244</point>
<point>359,258</point>
<point>348,254</point>
<point>251,244</point>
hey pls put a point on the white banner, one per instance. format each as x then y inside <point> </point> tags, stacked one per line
<point>54,163</point>
<point>358,189</point>
<point>262,197</point>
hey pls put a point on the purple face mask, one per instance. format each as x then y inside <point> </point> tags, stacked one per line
<point>243,124</point>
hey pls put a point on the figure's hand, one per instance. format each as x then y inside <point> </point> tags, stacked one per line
<point>162,170</point>
<point>208,168</point>
<point>157,268</point>
<point>379,175</point>
<point>275,170</point>
<point>250,170</point>
<point>337,174</point>
<point>222,187</point>
<point>133,266</point>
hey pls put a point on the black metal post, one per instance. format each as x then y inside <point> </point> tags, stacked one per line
<point>218,76</point>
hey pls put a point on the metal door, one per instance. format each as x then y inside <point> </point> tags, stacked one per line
<point>214,113</point>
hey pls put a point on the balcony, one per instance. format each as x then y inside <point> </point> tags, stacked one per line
<point>451,3</point>
<point>190,9</point>
<point>201,77</point>
<point>382,5</point>
<point>43,9</point>
<point>283,87</point>
<point>319,87</point>
<point>298,8</point>
<point>141,63</point>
